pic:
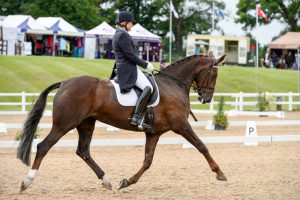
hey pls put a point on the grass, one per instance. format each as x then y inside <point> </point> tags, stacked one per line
<point>35,73</point>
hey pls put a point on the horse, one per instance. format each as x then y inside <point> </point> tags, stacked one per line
<point>81,101</point>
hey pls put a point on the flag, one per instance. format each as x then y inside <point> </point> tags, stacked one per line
<point>217,10</point>
<point>260,13</point>
<point>173,10</point>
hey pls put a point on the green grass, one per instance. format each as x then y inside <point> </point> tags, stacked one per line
<point>33,74</point>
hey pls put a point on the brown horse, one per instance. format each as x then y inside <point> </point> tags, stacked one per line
<point>80,101</point>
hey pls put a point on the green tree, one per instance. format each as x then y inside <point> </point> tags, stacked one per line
<point>287,11</point>
<point>82,14</point>
<point>194,16</point>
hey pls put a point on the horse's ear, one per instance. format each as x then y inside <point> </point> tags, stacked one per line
<point>219,60</point>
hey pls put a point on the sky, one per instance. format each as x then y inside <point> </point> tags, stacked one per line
<point>264,33</point>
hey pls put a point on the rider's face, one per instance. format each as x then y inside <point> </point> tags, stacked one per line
<point>129,26</point>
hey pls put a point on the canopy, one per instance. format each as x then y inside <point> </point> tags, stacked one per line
<point>140,33</point>
<point>291,40</point>
<point>201,42</point>
<point>60,26</point>
<point>103,29</point>
<point>26,23</point>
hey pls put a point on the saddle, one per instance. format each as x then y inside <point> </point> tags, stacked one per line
<point>130,99</point>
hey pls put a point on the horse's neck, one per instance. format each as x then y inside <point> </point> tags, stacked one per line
<point>184,72</point>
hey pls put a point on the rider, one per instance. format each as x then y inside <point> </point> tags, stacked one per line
<point>129,75</point>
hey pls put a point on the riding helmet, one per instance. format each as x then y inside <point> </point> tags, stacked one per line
<point>124,16</point>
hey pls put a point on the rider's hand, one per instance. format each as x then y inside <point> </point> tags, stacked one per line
<point>150,66</point>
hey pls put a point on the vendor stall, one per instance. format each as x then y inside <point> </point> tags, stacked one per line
<point>99,42</point>
<point>68,40</point>
<point>148,44</point>
<point>24,35</point>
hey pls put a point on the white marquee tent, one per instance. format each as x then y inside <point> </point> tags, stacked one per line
<point>60,26</point>
<point>103,30</point>
<point>138,32</point>
<point>25,23</point>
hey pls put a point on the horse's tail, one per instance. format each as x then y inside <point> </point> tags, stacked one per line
<point>31,124</point>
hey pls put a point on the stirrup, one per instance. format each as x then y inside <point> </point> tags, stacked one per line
<point>143,125</point>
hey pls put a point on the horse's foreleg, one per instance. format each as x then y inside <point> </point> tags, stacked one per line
<point>187,132</point>
<point>151,142</point>
<point>85,131</point>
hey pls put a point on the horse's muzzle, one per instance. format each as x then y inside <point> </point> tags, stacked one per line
<point>204,98</point>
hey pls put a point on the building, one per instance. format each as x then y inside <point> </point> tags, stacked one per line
<point>236,48</point>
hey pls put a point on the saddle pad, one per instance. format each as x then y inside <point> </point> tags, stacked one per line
<point>130,98</point>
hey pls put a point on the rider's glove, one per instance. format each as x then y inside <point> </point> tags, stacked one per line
<point>150,66</point>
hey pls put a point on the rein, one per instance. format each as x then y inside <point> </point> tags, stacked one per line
<point>176,79</point>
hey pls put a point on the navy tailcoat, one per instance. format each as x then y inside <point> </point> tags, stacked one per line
<point>126,60</point>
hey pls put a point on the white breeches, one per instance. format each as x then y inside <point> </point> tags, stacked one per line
<point>142,82</point>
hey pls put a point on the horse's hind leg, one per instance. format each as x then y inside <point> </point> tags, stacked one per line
<point>85,131</point>
<point>187,132</point>
<point>151,142</point>
<point>42,149</point>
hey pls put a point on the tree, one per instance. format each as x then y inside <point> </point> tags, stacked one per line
<point>82,14</point>
<point>287,11</point>
<point>194,16</point>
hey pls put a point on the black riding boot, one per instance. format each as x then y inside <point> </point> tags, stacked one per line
<point>140,107</point>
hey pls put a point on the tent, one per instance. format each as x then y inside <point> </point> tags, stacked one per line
<point>60,26</point>
<point>15,29</point>
<point>99,41</point>
<point>25,23</point>
<point>103,30</point>
<point>291,40</point>
<point>138,32</point>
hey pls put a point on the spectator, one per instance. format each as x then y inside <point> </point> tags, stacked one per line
<point>290,59</point>
<point>274,59</point>
<point>197,49</point>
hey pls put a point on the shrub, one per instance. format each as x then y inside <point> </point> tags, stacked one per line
<point>220,119</point>
<point>262,102</point>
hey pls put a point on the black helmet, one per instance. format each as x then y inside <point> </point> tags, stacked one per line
<point>124,16</point>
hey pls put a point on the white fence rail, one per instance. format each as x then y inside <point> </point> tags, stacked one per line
<point>237,100</point>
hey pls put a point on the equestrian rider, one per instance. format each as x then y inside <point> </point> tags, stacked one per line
<point>129,75</point>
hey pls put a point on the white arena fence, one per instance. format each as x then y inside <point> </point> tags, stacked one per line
<point>20,103</point>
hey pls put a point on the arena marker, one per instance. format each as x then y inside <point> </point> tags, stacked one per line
<point>3,129</point>
<point>210,125</point>
<point>251,133</point>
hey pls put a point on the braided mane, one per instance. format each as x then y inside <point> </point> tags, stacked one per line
<point>183,60</point>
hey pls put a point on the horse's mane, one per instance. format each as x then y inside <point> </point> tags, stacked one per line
<point>183,60</point>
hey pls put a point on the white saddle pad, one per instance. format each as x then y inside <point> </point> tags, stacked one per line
<point>130,98</point>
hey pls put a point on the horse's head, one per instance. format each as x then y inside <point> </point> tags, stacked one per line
<point>205,80</point>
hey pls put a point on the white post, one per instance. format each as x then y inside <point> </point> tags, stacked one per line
<point>212,18</point>
<point>211,106</point>
<point>256,36</point>
<point>256,64</point>
<point>290,101</point>
<point>241,101</point>
<point>236,102</point>
<point>147,52</point>
<point>23,101</point>
<point>170,40</point>
<point>160,54</point>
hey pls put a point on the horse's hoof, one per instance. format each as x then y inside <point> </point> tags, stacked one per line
<point>123,183</point>
<point>221,177</point>
<point>23,186</point>
<point>107,185</point>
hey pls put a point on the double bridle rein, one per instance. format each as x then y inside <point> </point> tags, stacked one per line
<point>198,89</point>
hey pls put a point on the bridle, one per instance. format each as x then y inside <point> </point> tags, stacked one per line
<point>199,89</point>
